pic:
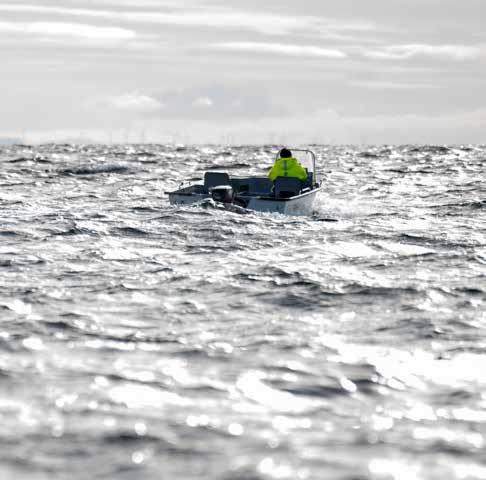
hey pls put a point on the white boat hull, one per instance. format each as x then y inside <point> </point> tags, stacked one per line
<point>299,205</point>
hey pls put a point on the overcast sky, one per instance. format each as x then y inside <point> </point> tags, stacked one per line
<point>286,71</point>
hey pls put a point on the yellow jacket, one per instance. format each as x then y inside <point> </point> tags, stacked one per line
<point>287,167</point>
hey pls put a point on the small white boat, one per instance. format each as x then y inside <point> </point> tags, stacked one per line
<point>287,195</point>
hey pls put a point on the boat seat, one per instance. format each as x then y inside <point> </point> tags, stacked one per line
<point>286,187</point>
<point>260,186</point>
<point>215,179</point>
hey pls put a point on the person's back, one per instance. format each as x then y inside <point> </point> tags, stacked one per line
<point>287,166</point>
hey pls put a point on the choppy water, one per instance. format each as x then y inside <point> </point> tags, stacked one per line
<point>144,341</point>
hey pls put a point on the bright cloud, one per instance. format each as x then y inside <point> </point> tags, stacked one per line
<point>202,102</point>
<point>208,17</point>
<point>403,52</point>
<point>62,29</point>
<point>281,49</point>
<point>190,15</point>
<point>132,102</point>
<point>227,20</point>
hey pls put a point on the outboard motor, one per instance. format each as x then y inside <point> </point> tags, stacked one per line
<point>222,193</point>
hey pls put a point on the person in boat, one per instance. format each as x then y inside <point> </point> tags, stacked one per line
<point>287,166</point>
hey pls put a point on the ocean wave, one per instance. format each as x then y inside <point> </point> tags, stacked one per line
<point>141,339</point>
<point>95,169</point>
<point>129,231</point>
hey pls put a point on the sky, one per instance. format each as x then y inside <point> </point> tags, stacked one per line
<point>233,71</point>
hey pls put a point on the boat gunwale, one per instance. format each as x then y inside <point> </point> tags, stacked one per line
<point>259,197</point>
<point>280,199</point>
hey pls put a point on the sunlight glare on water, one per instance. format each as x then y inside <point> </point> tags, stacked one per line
<point>144,340</point>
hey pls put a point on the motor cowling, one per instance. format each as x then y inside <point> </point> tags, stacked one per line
<point>222,193</point>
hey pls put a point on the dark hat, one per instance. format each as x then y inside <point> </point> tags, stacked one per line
<point>285,153</point>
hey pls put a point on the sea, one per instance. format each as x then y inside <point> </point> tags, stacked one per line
<point>141,340</point>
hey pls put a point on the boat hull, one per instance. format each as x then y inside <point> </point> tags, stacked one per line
<point>299,205</point>
<point>176,198</point>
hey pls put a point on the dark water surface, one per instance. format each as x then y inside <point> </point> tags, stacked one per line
<point>144,341</point>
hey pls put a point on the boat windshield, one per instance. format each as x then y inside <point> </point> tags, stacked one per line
<point>306,158</point>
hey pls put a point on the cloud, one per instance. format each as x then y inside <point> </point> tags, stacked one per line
<point>281,49</point>
<point>202,102</point>
<point>134,102</point>
<point>62,29</point>
<point>194,14</point>
<point>26,8</point>
<point>229,20</point>
<point>211,103</point>
<point>134,3</point>
<point>405,52</point>
<point>162,65</point>
<point>208,17</point>
<point>392,85</point>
